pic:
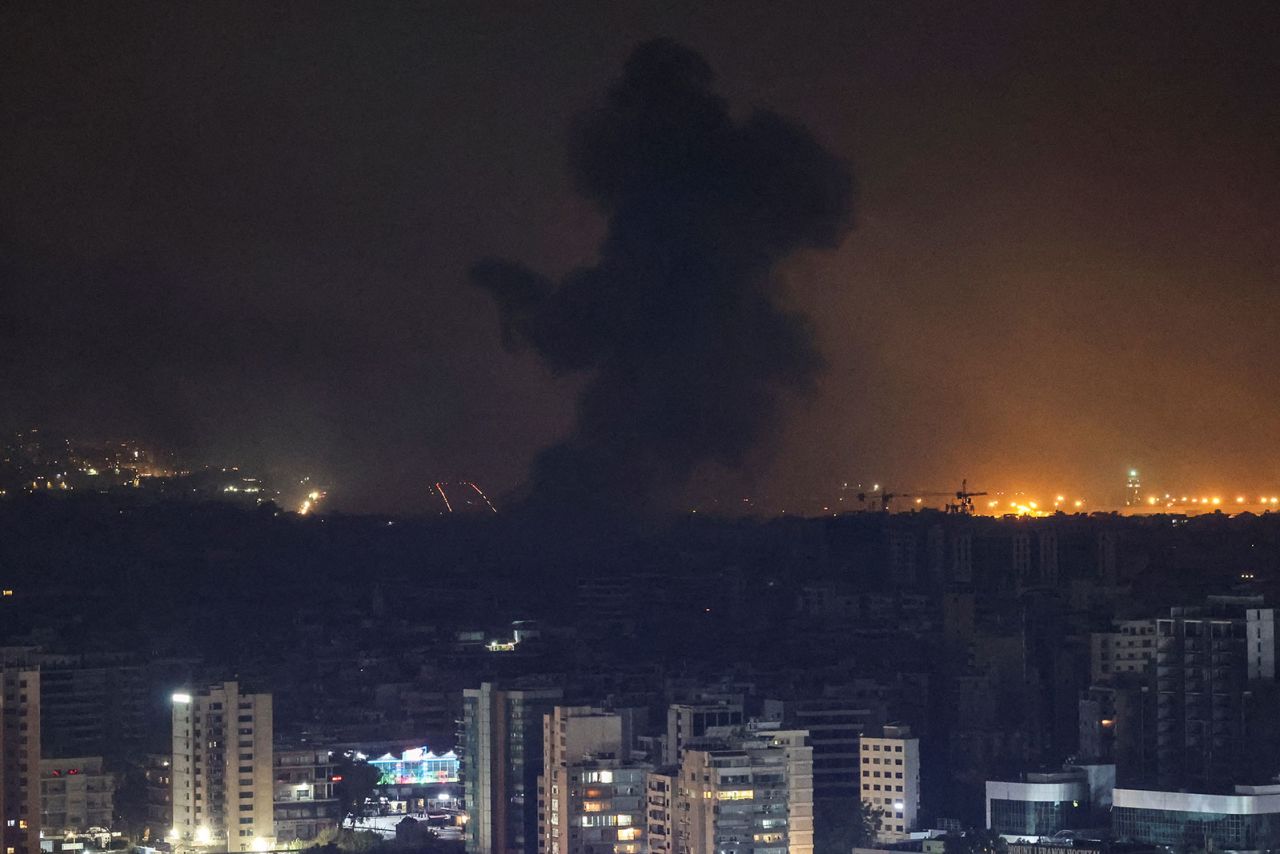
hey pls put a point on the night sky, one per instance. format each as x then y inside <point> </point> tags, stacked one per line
<point>245,231</point>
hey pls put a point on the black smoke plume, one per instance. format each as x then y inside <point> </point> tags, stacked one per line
<point>679,321</point>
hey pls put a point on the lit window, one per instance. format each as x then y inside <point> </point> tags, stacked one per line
<point>736,795</point>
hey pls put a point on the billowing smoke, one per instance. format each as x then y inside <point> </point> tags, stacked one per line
<point>690,353</point>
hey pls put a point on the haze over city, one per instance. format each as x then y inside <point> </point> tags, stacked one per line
<point>639,428</point>
<point>253,242</point>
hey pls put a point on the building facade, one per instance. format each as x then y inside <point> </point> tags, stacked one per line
<point>890,767</point>
<point>835,725</point>
<point>157,775</point>
<point>687,721</point>
<point>1040,805</point>
<point>591,800</point>
<point>1246,820</point>
<point>1260,637</point>
<point>1202,670</point>
<point>1130,647</point>
<point>501,758</point>
<point>223,770</point>
<point>76,794</point>
<point>304,801</point>
<point>753,794</point>
<point>20,758</point>
<point>660,795</point>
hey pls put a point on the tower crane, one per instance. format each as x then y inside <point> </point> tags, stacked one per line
<point>963,498</point>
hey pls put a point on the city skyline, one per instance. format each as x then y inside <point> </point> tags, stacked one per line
<point>639,427</point>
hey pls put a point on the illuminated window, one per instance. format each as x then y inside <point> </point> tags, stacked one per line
<point>736,795</point>
<point>593,806</point>
<point>627,834</point>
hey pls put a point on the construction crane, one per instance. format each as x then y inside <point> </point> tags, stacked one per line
<point>963,498</point>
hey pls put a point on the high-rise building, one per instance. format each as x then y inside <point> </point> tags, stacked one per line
<point>1260,639</point>
<point>1130,647</point>
<point>661,786</point>
<point>501,753</point>
<point>1202,672</point>
<point>592,798</point>
<point>1118,726</point>
<point>686,721</point>
<point>223,781</point>
<point>753,792</point>
<point>891,779</point>
<point>20,758</point>
<point>102,704</point>
<point>834,724</point>
<point>157,774</point>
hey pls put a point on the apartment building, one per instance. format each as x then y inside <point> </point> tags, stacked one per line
<point>20,758</point>
<point>76,794</point>
<point>592,800</point>
<point>305,804</point>
<point>660,804</point>
<point>223,774</point>
<point>686,721</point>
<point>891,779</point>
<point>751,793</point>
<point>501,759</point>
<point>1130,647</point>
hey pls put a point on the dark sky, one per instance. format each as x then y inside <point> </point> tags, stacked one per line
<point>244,230</point>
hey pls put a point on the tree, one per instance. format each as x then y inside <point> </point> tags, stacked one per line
<point>842,824</point>
<point>356,786</point>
